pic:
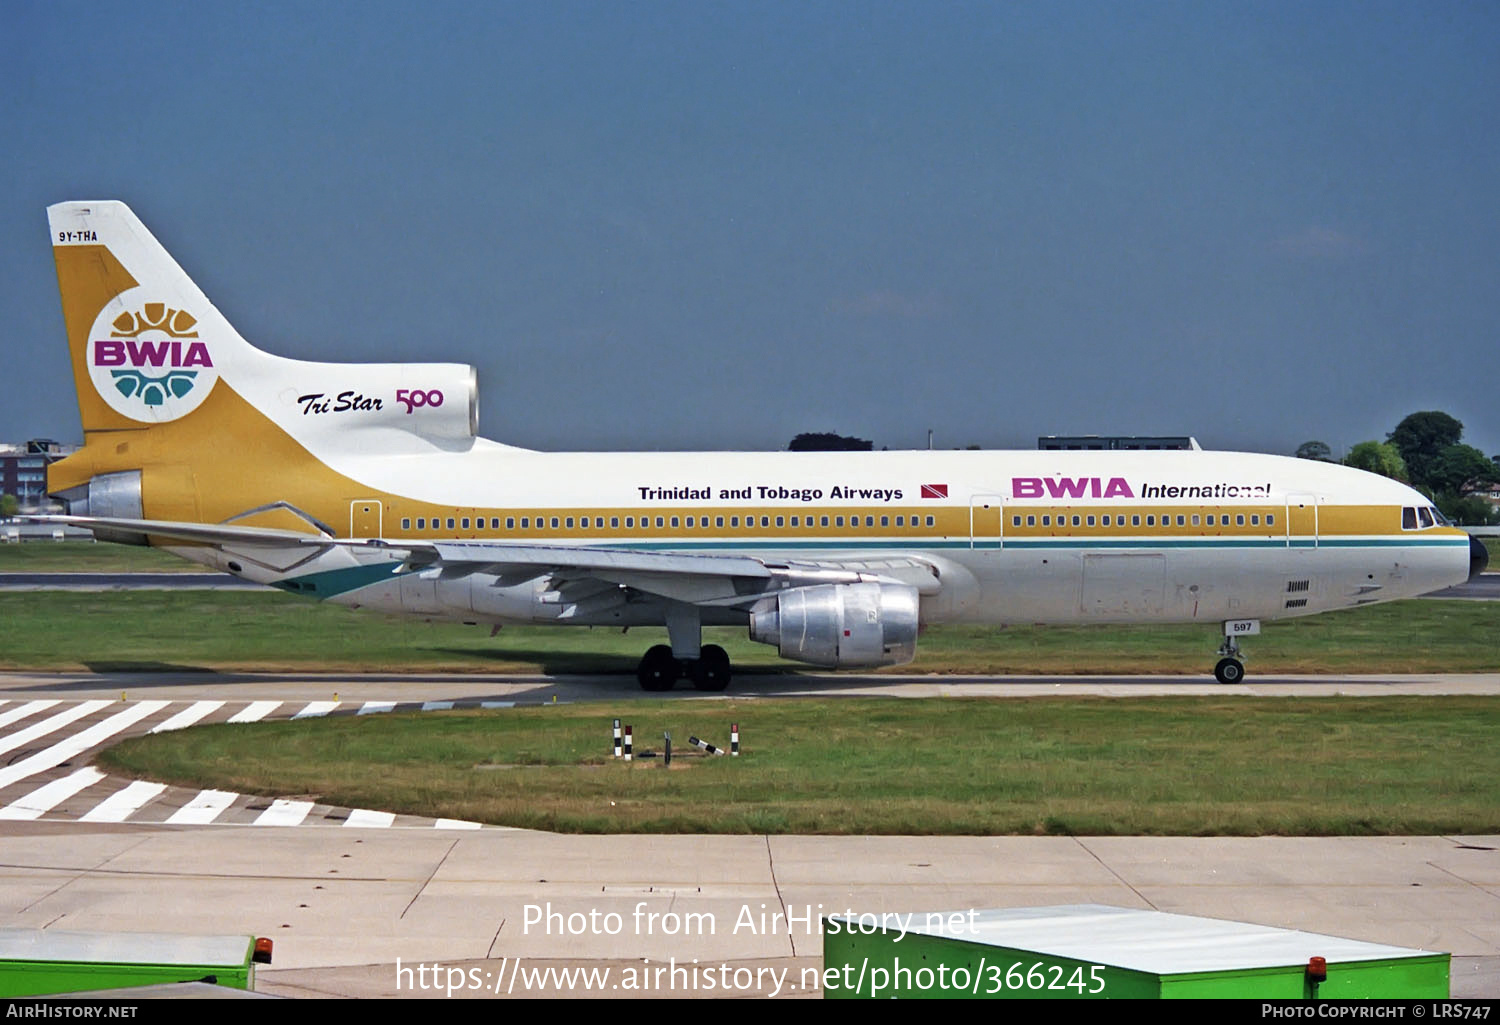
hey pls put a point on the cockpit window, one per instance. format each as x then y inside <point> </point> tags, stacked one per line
<point>1409,518</point>
<point>1424,516</point>
<point>1442,521</point>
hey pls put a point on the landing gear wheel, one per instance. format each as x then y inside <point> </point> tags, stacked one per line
<point>1229,670</point>
<point>658,669</point>
<point>711,671</point>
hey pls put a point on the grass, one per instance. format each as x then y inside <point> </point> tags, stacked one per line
<point>89,557</point>
<point>955,766</point>
<point>188,630</point>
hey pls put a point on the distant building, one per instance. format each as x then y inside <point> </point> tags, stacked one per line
<point>23,469</point>
<point>1056,442</point>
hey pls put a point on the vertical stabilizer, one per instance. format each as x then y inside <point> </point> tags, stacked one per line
<point>147,347</point>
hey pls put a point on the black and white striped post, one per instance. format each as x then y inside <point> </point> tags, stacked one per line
<point>734,739</point>
<point>627,743</point>
<point>617,738</point>
<point>706,746</point>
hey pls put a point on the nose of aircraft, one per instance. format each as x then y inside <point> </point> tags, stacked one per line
<point>1479,556</point>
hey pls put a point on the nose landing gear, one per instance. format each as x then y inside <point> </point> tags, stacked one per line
<point>1231,666</point>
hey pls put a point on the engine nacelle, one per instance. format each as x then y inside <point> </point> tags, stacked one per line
<point>116,495</point>
<point>842,625</point>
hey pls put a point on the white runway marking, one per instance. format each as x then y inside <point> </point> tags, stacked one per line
<point>22,711</point>
<point>203,809</point>
<point>371,707</point>
<point>50,724</point>
<point>455,824</point>
<point>122,804</point>
<point>43,799</point>
<point>189,715</point>
<point>436,706</point>
<point>315,709</point>
<point>497,704</point>
<point>284,813</point>
<point>255,711</point>
<point>362,818</point>
<point>79,742</point>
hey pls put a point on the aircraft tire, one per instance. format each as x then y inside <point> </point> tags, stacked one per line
<point>711,671</point>
<point>658,669</point>
<point>1230,670</point>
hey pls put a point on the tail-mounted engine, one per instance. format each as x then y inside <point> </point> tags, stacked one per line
<point>841,625</point>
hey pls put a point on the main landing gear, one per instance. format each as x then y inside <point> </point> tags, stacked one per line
<point>707,665</point>
<point>660,669</point>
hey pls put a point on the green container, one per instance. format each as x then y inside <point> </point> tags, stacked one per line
<point>41,962</point>
<point>1093,951</point>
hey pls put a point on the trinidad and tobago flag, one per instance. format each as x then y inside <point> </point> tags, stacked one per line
<point>934,491</point>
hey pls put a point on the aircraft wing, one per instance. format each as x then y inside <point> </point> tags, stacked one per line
<point>712,579</point>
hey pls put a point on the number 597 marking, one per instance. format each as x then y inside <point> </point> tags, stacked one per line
<point>415,398</point>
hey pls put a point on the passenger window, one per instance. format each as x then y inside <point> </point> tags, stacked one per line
<point>1135,521</point>
<point>1210,519</point>
<point>1270,520</point>
<point>674,522</point>
<point>629,521</point>
<point>930,521</point>
<point>584,523</point>
<point>1255,520</point>
<point>900,521</point>
<point>780,521</point>
<point>796,522</point>
<point>1150,521</point>
<point>825,521</point>
<point>1106,521</point>
<point>510,523</point>
<point>554,523</point>
<point>450,522</point>
<point>466,523</point>
<point>660,522</point>
<point>1239,520</point>
<point>838,521</point>
<point>885,521</point>
<point>1181,520</point>
<point>1015,521</point>
<point>1031,521</point>
<point>614,522</point>
<point>1075,521</point>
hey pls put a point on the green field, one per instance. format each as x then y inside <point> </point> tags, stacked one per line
<point>89,557</point>
<point>1231,766</point>
<point>187,630</point>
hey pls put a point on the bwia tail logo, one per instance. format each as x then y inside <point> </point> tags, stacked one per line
<point>147,360</point>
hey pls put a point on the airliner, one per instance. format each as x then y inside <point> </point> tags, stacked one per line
<point>366,484</point>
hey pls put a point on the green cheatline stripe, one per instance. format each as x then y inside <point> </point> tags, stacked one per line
<point>328,583</point>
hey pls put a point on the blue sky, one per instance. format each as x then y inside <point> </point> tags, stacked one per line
<point>715,225</point>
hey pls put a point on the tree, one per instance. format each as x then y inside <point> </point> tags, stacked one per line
<point>9,505</point>
<point>828,443</point>
<point>1318,450</point>
<point>1461,469</point>
<point>1420,437</point>
<point>1467,511</point>
<point>1377,457</point>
